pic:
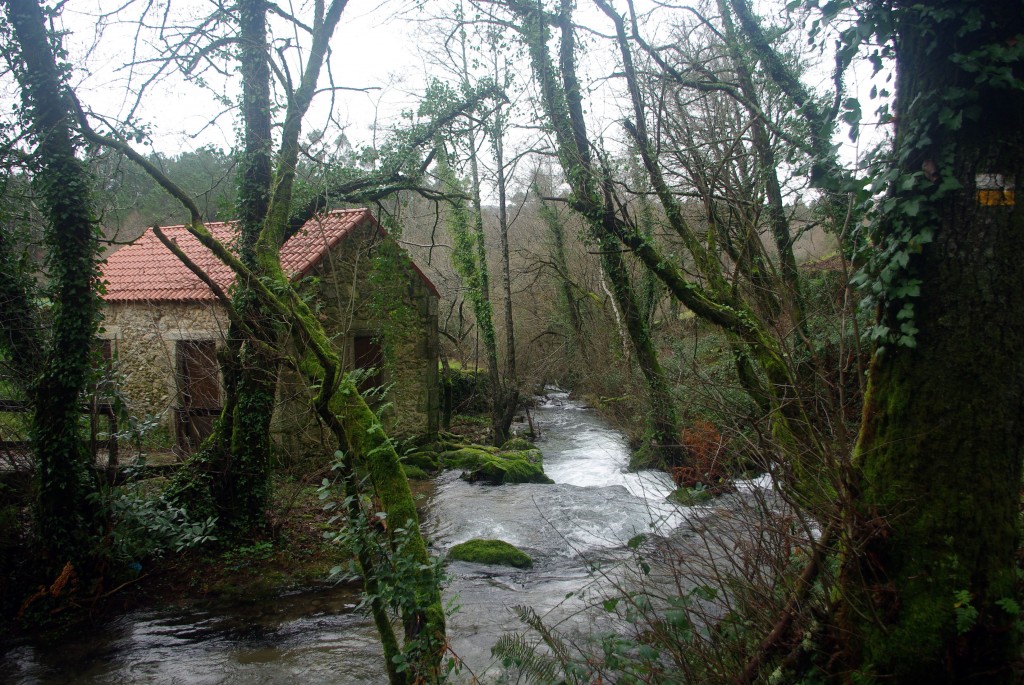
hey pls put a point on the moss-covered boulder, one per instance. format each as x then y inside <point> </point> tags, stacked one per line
<point>413,472</point>
<point>497,467</point>
<point>497,552</point>
<point>425,460</point>
<point>517,445</point>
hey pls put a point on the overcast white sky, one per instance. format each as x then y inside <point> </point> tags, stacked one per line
<point>383,45</point>
<point>372,48</point>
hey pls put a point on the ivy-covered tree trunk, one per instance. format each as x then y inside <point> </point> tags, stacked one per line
<point>66,511</point>
<point>931,591</point>
<point>663,420</point>
<point>230,475</point>
<point>562,101</point>
<point>567,297</point>
<point>469,259</point>
<point>482,306</point>
<point>508,401</point>
<point>256,369</point>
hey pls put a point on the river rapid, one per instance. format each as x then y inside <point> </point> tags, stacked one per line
<point>576,531</point>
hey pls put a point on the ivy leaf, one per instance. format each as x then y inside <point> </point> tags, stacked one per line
<point>907,312</point>
<point>852,116</point>
<point>706,592</point>
<point>950,119</point>
<point>879,332</point>
<point>949,183</point>
<point>677,618</point>
<point>909,289</point>
<point>876,63</point>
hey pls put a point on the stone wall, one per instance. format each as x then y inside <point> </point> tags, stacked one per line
<point>365,287</point>
<point>143,338</point>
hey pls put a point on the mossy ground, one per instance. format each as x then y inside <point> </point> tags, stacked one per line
<point>471,428</point>
<point>413,472</point>
<point>289,553</point>
<point>497,552</point>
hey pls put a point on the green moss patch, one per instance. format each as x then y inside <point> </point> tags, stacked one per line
<point>497,552</point>
<point>413,472</point>
<point>517,445</point>
<point>689,497</point>
<point>424,460</point>
<point>497,467</point>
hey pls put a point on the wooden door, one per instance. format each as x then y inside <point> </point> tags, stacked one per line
<point>198,382</point>
<point>369,355</point>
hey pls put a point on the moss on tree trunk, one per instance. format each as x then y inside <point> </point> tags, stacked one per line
<point>229,476</point>
<point>66,512</point>
<point>939,454</point>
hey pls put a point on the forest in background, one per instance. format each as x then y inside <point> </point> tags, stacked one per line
<point>716,277</point>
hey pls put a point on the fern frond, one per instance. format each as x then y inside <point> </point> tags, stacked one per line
<point>515,650</point>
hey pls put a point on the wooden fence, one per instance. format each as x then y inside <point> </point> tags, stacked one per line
<point>95,412</point>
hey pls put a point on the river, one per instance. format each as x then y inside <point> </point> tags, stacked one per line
<point>576,531</point>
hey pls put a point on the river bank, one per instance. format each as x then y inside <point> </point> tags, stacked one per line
<point>261,612</point>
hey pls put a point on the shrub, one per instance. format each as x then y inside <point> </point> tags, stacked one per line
<point>706,451</point>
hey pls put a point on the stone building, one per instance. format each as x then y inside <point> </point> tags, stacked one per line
<point>165,327</point>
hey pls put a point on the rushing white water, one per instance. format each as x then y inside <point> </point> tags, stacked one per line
<point>576,531</point>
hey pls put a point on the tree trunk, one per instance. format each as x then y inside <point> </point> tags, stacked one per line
<point>663,421</point>
<point>248,471</point>
<point>509,399</point>
<point>938,460</point>
<point>469,259</point>
<point>562,101</point>
<point>66,511</point>
<point>565,285</point>
<point>230,474</point>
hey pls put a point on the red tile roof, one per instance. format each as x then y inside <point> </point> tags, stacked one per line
<point>146,271</point>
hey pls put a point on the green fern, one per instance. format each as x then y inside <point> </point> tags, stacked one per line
<point>515,650</point>
<point>553,666</point>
